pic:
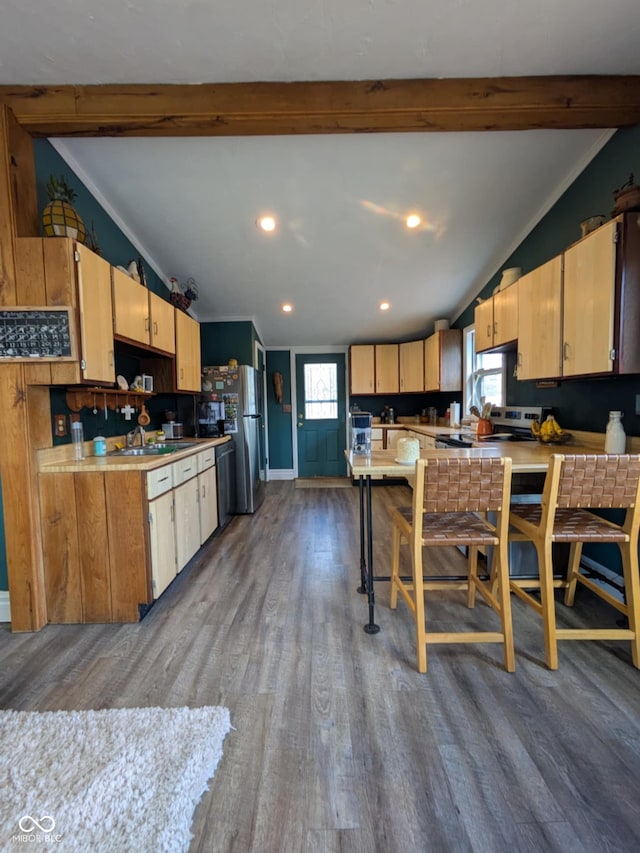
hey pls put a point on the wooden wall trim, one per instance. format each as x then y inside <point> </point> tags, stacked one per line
<point>224,109</point>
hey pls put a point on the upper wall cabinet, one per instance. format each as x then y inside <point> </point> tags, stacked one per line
<point>58,271</point>
<point>412,367</point>
<point>140,315</point>
<point>362,369</point>
<point>188,362</point>
<point>583,320</point>
<point>496,320</point>
<point>387,369</point>
<point>539,321</point>
<point>443,361</point>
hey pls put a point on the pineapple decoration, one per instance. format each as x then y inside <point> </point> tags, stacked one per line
<point>59,217</point>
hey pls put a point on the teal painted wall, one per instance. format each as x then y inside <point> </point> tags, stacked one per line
<point>221,341</point>
<point>280,450</point>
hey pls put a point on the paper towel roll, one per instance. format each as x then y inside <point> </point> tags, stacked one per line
<point>454,414</point>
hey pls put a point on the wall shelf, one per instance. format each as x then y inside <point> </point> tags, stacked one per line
<point>105,398</point>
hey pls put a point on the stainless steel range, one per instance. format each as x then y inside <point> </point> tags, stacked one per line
<point>513,423</point>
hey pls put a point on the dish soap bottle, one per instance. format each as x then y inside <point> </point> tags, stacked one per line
<point>615,439</point>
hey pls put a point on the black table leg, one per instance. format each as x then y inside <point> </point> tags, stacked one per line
<point>363,561</point>
<point>370,627</point>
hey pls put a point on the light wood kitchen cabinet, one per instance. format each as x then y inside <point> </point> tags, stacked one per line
<point>443,361</point>
<point>589,303</point>
<point>187,521</point>
<point>130,307</point>
<point>539,321</point>
<point>412,367</point>
<point>208,503</point>
<point>579,313</point>
<point>362,369</point>
<point>162,324</point>
<point>162,540</point>
<point>387,369</point>
<point>188,364</point>
<point>496,320</point>
<point>141,315</point>
<point>57,271</point>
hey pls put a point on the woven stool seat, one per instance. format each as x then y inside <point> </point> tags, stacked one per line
<point>572,525</point>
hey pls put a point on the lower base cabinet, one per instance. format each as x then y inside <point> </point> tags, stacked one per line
<point>162,541</point>
<point>123,536</point>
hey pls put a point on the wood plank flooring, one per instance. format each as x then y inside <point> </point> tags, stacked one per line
<point>339,744</point>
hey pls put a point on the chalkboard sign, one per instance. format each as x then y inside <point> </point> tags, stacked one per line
<point>36,333</point>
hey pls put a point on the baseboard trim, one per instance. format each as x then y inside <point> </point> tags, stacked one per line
<point>5,607</point>
<point>281,474</point>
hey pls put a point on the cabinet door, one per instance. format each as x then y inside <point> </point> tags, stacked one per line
<point>387,369</point>
<point>361,369</point>
<point>96,316</point>
<point>505,315</point>
<point>589,289</point>
<point>483,324</point>
<point>187,353</point>
<point>432,363</point>
<point>163,326</point>
<point>187,521</point>
<point>539,321</point>
<point>412,367</point>
<point>130,307</point>
<point>163,543</point>
<point>208,503</point>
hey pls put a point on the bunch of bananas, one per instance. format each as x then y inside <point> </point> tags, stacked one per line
<point>549,431</point>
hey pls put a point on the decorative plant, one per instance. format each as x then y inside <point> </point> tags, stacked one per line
<point>59,217</point>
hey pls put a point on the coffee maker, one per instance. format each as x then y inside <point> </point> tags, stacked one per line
<point>211,419</point>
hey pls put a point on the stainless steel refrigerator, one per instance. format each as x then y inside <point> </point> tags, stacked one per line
<point>237,389</point>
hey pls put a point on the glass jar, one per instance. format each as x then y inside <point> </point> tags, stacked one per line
<point>615,440</point>
<point>77,437</point>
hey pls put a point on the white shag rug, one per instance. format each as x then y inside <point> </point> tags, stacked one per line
<point>113,780</point>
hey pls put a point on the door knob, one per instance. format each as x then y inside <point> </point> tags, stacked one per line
<point>300,423</point>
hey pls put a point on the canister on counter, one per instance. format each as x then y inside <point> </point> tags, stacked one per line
<point>99,446</point>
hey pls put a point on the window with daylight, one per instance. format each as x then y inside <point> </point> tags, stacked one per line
<point>320,391</point>
<point>484,375</point>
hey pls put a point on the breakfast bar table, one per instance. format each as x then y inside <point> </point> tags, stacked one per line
<point>527,457</point>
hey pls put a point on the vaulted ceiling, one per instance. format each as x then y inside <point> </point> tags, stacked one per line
<point>190,199</point>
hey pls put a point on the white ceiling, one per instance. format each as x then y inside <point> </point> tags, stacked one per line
<point>190,205</point>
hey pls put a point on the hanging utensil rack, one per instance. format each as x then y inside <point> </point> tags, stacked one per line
<point>112,398</point>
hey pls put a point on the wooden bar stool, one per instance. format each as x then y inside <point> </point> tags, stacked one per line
<point>573,485</point>
<point>450,498</point>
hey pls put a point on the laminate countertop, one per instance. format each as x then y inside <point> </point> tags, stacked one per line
<point>56,460</point>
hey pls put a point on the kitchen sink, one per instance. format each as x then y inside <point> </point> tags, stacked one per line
<point>151,449</point>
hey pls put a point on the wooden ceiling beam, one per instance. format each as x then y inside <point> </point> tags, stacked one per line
<point>372,106</point>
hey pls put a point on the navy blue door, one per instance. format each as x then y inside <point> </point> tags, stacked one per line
<point>321,415</point>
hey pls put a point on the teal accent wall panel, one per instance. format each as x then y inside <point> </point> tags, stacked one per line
<point>221,341</point>
<point>280,450</point>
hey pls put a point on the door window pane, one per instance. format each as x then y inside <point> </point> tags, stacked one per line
<point>320,391</point>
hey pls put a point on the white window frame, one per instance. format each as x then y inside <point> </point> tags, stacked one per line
<point>471,373</point>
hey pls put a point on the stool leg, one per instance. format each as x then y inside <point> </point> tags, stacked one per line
<point>575,552</point>
<point>395,565</point>
<point>632,596</point>
<point>472,579</point>
<point>502,573</point>
<point>418,592</point>
<point>547,601</point>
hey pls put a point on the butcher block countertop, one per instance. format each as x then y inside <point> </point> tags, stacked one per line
<point>60,459</point>
<point>527,456</point>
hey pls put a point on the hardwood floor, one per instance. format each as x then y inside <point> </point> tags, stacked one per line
<point>339,744</point>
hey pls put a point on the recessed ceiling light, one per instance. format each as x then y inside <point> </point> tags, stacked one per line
<point>413,220</point>
<point>384,306</point>
<point>267,223</point>
<point>287,308</point>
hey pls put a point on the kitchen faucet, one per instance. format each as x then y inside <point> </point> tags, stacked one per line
<point>131,436</point>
